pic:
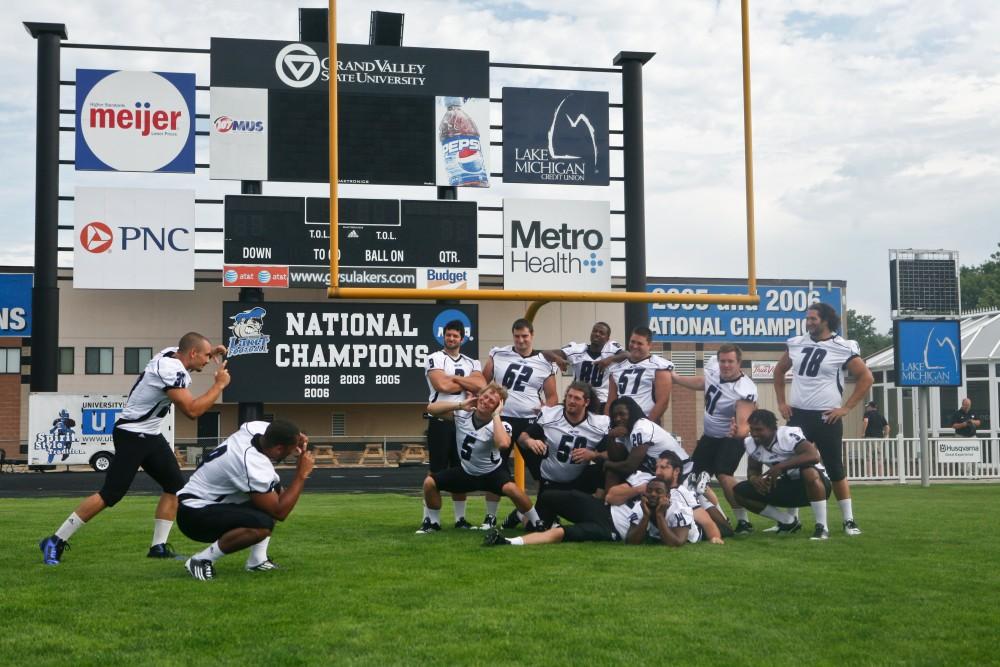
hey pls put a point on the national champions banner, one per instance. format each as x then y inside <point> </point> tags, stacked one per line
<point>15,304</point>
<point>335,352</point>
<point>779,316</point>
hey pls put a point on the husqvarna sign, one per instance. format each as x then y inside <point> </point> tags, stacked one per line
<point>131,238</point>
<point>134,121</point>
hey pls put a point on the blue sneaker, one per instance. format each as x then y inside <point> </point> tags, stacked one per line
<point>162,550</point>
<point>52,549</point>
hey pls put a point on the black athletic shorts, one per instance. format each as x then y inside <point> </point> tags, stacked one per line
<point>591,517</point>
<point>134,450</point>
<point>717,456</point>
<point>456,480</point>
<point>207,524</point>
<point>828,438</point>
<point>441,444</point>
<point>786,492</point>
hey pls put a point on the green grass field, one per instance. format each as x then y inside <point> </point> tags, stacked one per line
<point>921,586</point>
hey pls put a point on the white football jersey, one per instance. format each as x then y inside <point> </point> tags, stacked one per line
<point>721,397</point>
<point>523,377</point>
<point>232,471</point>
<point>562,437</point>
<point>584,365</point>
<point>441,361</point>
<point>638,380</point>
<point>680,513</point>
<point>782,448</point>
<point>476,449</point>
<point>646,432</point>
<point>625,516</point>
<point>817,371</point>
<point>148,402</point>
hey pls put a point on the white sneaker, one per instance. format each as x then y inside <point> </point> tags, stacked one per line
<point>851,528</point>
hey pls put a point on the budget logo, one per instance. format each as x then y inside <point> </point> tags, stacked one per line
<point>96,237</point>
<point>134,121</point>
<point>248,333</point>
<point>297,65</point>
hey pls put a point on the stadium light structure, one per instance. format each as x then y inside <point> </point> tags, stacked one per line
<point>540,297</point>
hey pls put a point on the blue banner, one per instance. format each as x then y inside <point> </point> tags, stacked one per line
<point>15,304</point>
<point>928,353</point>
<point>779,316</point>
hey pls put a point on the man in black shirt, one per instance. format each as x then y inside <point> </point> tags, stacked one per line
<point>875,424</point>
<point>964,421</point>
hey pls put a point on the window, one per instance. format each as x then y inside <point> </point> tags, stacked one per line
<point>979,393</point>
<point>10,360</point>
<point>977,370</point>
<point>338,423</point>
<point>136,359</point>
<point>879,377</point>
<point>66,366</point>
<point>948,400</point>
<point>99,361</point>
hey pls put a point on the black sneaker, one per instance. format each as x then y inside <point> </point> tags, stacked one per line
<point>743,527</point>
<point>52,549</point>
<point>162,550</point>
<point>512,521</point>
<point>789,528</point>
<point>428,527</point>
<point>537,527</point>
<point>490,521</point>
<point>463,524</point>
<point>851,528</point>
<point>203,570</point>
<point>820,533</point>
<point>494,538</point>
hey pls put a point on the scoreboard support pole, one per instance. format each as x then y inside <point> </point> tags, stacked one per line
<point>331,38</point>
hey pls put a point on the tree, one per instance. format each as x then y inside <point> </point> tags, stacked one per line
<point>862,329</point>
<point>981,284</point>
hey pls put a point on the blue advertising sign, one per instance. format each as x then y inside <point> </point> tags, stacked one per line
<point>928,353</point>
<point>134,121</point>
<point>15,304</point>
<point>779,316</point>
<point>557,137</point>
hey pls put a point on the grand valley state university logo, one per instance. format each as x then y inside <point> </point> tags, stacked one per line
<point>555,136</point>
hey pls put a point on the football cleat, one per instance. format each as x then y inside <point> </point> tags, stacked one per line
<point>428,527</point>
<point>789,528</point>
<point>743,527</point>
<point>494,538</point>
<point>512,521</point>
<point>537,527</point>
<point>851,528</point>
<point>203,570</point>
<point>463,524</point>
<point>489,521</point>
<point>162,550</point>
<point>52,549</point>
<point>265,566</point>
<point>698,483</point>
<point>820,533</point>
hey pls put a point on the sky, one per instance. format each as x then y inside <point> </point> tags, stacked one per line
<point>876,124</point>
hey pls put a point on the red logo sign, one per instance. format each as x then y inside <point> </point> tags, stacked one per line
<point>96,237</point>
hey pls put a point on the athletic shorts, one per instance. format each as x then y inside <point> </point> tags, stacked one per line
<point>207,524</point>
<point>828,438</point>
<point>134,450</point>
<point>787,492</point>
<point>456,480</point>
<point>518,425</point>
<point>441,444</point>
<point>591,517</point>
<point>717,456</point>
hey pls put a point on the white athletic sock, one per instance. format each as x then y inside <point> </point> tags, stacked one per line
<point>258,552</point>
<point>492,506</point>
<point>426,512</point>
<point>819,511</point>
<point>72,524</point>
<point>531,516</point>
<point>161,531</point>
<point>741,514</point>
<point>433,515</point>
<point>772,512</point>
<point>212,553</point>
<point>794,511</point>
<point>516,541</point>
<point>846,509</point>
<point>459,509</point>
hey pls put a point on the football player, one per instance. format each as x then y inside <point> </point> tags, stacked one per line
<point>591,361</point>
<point>641,376</point>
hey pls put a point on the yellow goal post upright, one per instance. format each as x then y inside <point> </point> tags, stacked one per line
<point>541,297</point>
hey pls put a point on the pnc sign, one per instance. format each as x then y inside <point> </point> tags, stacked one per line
<point>134,121</point>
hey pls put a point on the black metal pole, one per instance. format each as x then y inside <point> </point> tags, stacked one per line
<point>631,63</point>
<point>45,294</point>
